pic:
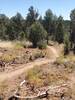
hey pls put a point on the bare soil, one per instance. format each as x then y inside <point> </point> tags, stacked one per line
<point>50,72</point>
<point>12,72</point>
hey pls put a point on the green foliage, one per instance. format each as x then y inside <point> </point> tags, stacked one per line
<point>15,27</point>
<point>60,30</point>
<point>47,22</point>
<point>39,55</point>
<point>42,44</point>
<point>72,15</point>
<point>31,16</point>
<point>33,28</point>
<point>22,36</point>
<point>72,29</point>
<point>4,21</point>
<point>72,25</point>
<point>66,44</point>
<point>41,20</point>
<point>66,26</point>
<point>37,33</point>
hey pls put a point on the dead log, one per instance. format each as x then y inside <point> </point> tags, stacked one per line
<point>50,90</point>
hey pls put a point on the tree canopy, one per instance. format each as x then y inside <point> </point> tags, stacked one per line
<point>36,28</point>
<point>37,33</point>
<point>60,30</point>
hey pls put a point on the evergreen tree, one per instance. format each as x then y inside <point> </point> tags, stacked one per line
<point>37,33</point>
<point>31,16</point>
<point>66,44</point>
<point>15,27</point>
<point>48,22</point>
<point>72,29</point>
<point>60,30</point>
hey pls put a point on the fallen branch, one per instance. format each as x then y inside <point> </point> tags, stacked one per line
<point>40,94</point>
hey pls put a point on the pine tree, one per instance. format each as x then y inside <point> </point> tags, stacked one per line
<point>60,30</point>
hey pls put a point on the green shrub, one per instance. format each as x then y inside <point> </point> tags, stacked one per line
<point>37,33</point>
<point>42,45</point>
<point>66,44</point>
<point>39,55</point>
<point>22,36</point>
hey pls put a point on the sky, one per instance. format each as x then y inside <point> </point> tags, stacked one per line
<point>58,7</point>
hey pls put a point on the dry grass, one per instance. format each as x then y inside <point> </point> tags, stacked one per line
<point>66,63</point>
<point>44,76</point>
<point>8,57</point>
<point>3,87</point>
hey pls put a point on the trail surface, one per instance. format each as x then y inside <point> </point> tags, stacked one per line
<point>54,52</point>
<point>6,44</point>
<point>25,67</point>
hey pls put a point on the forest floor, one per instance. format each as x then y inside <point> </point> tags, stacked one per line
<point>50,65</point>
<point>7,76</point>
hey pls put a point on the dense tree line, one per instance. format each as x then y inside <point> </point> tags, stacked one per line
<point>38,29</point>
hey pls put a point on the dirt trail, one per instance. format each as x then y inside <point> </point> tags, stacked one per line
<point>54,51</point>
<point>25,67</point>
<point>6,44</point>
